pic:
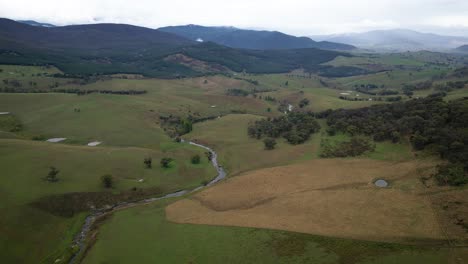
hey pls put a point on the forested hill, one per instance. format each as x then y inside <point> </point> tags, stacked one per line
<point>118,48</point>
<point>252,39</point>
<point>431,124</point>
<point>86,38</point>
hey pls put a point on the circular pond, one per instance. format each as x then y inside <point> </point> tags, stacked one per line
<point>381,183</point>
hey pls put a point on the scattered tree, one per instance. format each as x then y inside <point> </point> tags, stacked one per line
<point>165,162</point>
<point>52,176</point>
<point>148,162</point>
<point>270,143</point>
<point>304,102</point>
<point>108,181</point>
<point>196,159</point>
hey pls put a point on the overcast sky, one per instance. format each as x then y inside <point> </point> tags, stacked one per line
<point>297,17</point>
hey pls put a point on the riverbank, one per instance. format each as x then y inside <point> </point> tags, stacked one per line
<point>79,243</point>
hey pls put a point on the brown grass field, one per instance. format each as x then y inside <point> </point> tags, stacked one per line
<point>331,197</point>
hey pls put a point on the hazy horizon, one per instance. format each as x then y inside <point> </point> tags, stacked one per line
<point>296,17</point>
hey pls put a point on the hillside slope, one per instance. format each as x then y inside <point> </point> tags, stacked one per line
<point>463,48</point>
<point>251,39</point>
<point>119,48</point>
<point>35,23</point>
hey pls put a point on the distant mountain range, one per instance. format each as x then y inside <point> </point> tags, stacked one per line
<point>251,39</point>
<point>397,40</point>
<point>35,23</point>
<point>120,48</point>
<point>463,49</point>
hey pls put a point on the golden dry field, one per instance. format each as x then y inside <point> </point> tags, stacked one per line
<point>331,197</point>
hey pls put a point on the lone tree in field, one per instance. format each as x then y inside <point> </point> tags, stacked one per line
<point>107,181</point>
<point>270,143</point>
<point>52,176</point>
<point>196,159</point>
<point>304,102</point>
<point>148,162</point>
<point>165,162</point>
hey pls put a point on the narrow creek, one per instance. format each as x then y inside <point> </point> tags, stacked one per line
<point>80,239</point>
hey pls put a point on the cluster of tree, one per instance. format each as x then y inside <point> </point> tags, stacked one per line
<point>451,174</point>
<point>340,71</point>
<point>383,92</point>
<point>451,86</point>
<point>356,146</point>
<point>262,90</point>
<point>237,92</point>
<point>380,99</point>
<point>71,91</point>
<point>393,99</point>
<point>307,75</point>
<point>295,127</point>
<point>354,98</point>
<point>283,107</point>
<point>165,161</point>
<point>303,103</point>
<point>254,82</point>
<point>460,72</point>
<point>176,126</point>
<point>418,86</point>
<point>15,83</point>
<point>368,86</point>
<point>429,122</point>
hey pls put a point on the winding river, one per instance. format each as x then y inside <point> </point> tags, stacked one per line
<point>79,240</point>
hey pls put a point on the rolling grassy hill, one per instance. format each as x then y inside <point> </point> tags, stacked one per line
<point>131,129</point>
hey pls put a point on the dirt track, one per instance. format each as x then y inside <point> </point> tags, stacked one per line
<point>327,197</point>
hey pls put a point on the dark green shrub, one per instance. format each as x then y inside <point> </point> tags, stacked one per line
<point>108,181</point>
<point>270,143</point>
<point>196,159</point>
<point>451,174</point>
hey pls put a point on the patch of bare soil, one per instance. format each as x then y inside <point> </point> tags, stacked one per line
<point>333,197</point>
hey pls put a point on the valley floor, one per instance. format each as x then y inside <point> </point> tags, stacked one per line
<point>286,205</point>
